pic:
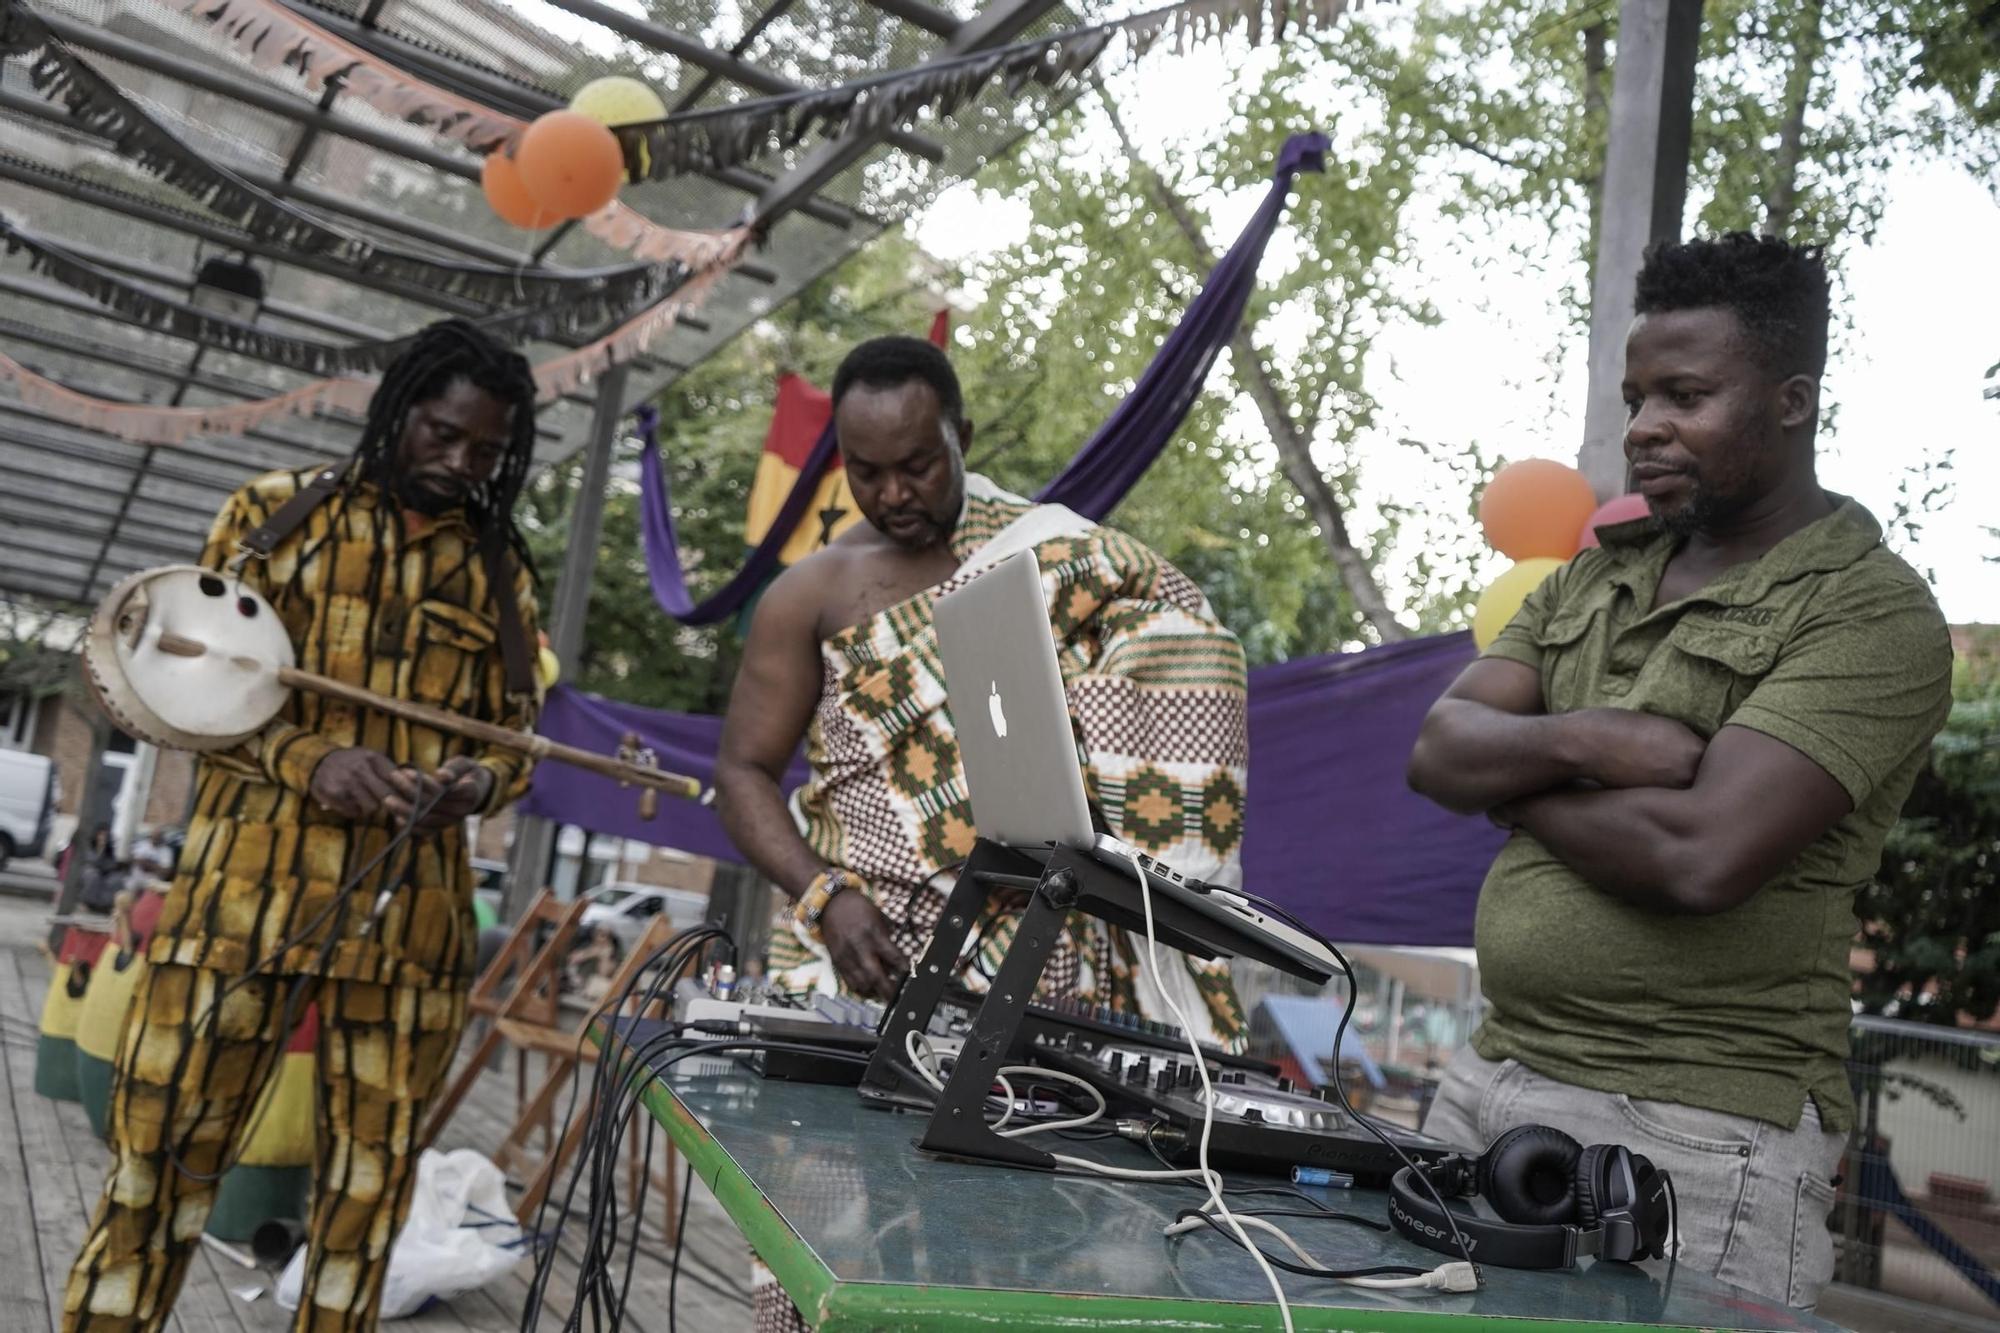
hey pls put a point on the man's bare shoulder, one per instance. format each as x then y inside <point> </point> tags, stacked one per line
<point>798,595</point>
<point>822,569</point>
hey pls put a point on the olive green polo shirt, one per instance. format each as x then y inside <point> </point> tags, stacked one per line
<point>1831,644</point>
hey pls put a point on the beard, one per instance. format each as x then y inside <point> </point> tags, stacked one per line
<point>914,530</point>
<point>411,493</point>
<point>1703,510</point>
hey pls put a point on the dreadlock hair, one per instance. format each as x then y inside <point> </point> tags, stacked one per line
<point>1776,290</point>
<point>439,356</point>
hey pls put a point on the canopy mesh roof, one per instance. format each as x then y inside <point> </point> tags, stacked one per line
<point>79,510</point>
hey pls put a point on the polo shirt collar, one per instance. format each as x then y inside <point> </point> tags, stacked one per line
<point>1640,550</point>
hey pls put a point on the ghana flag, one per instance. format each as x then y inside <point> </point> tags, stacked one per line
<point>797,422</point>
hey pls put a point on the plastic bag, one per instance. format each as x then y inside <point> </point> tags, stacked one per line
<point>460,1235</point>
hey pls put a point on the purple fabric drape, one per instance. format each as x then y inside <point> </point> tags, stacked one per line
<point>1094,481</point>
<point>1114,459</point>
<point>663,549</point>
<point>1332,832</point>
<point>681,743</point>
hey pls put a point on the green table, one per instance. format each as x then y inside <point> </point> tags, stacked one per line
<point>864,1232</point>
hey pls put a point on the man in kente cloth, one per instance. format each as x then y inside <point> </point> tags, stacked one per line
<point>843,655</point>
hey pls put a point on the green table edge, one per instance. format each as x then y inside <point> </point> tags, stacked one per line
<point>833,1306</point>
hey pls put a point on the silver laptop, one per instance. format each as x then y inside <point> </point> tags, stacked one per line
<point>1020,751</point>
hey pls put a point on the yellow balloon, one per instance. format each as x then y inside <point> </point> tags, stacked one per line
<point>1503,597</point>
<point>618,100</point>
<point>548,667</point>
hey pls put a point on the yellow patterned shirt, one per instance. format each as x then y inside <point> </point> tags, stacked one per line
<point>397,603</point>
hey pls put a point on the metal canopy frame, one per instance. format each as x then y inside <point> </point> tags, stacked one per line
<point>79,509</point>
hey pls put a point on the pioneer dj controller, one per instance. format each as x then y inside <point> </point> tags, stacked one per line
<point>1261,1122</point>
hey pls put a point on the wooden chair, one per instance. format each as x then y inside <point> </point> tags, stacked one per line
<point>526,1016</point>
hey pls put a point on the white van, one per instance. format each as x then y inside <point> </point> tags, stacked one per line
<point>27,803</point>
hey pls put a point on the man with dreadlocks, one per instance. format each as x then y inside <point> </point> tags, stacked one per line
<point>401,571</point>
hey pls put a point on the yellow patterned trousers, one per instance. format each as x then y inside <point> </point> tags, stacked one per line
<point>188,1080</point>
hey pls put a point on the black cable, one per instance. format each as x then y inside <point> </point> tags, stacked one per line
<point>680,1239</point>
<point>1340,1090</point>
<point>649,1065</point>
<point>610,1117</point>
<point>970,958</point>
<point>1318,1214</point>
<point>1327,1274</point>
<point>664,964</point>
<point>545,1261</point>
<point>1289,1192</point>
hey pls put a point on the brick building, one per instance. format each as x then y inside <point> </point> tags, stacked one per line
<point>58,726</point>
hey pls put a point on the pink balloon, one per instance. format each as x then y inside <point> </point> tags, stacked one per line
<point>1619,509</point>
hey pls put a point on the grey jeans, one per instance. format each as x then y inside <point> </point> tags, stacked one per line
<point>1753,1197</point>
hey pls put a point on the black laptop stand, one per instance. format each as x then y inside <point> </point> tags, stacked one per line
<point>1065,880</point>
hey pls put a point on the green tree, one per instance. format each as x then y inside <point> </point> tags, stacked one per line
<point>1801,107</point>
<point>1932,916</point>
<point>712,426</point>
<point>1494,108</point>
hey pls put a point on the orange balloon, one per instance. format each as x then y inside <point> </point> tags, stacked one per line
<point>571,165</point>
<point>500,180</point>
<point>1535,509</point>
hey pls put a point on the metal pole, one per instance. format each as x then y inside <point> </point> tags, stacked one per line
<point>93,807</point>
<point>534,837</point>
<point>1644,187</point>
<point>138,794</point>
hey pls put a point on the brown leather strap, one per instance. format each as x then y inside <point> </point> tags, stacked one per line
<point>289,516</point>
<point>514,653</point>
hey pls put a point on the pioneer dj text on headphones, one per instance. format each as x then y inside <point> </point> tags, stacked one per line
<point>1556,1200</point>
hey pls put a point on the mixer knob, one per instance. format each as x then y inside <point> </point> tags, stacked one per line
<point>1285,1084</point>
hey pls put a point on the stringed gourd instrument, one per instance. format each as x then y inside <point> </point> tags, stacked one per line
<point>191,659</point>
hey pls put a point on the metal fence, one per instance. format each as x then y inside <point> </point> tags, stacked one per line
<point>1917,1209</point>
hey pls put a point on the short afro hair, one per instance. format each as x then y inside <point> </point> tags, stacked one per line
<point>886,363</point>
<point>1776,290</point>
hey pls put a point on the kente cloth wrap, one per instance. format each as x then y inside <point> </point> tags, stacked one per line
<point>1156,691</point>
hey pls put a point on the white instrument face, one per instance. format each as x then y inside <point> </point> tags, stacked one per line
<point>187,658</point>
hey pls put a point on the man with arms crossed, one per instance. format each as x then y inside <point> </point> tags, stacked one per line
<point>1699,735</point>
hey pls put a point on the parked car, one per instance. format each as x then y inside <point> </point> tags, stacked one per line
<point>626,909</point>
<point>27,803</point>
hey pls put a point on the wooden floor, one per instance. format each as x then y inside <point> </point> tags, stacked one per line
<point>52,1167</point>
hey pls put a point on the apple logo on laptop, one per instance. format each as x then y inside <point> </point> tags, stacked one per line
<point>999,712</point>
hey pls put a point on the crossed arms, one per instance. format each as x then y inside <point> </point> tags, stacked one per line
<point>1638,805</point>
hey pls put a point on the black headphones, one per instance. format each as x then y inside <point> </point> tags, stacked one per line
<point>1557,1201</point>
